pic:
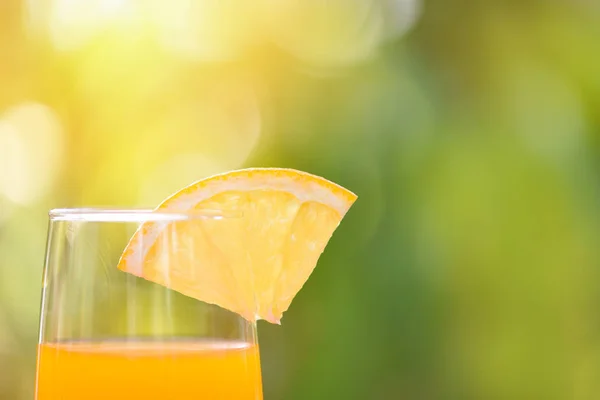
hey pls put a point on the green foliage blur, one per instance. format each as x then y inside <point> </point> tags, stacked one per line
<point>468,268</point>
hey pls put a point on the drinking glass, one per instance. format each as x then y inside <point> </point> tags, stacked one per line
<point>107,334</point>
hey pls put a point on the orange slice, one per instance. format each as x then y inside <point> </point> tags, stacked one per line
<point>253,264</point>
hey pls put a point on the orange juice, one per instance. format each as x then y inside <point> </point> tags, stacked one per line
<point>149,370</point>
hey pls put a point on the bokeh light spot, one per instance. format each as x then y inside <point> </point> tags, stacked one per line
<point>31,147</point>
<point>204,30</point>
<point>400,16</point>
<point>73,22</point>
<point>337,33</point>
<point>324,33</point>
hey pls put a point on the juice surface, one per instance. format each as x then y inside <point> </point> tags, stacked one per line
<point>149,370</point>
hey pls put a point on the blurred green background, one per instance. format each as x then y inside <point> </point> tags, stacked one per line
<point>469,267</point>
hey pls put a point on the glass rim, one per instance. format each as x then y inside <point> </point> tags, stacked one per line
<point>106,214</point>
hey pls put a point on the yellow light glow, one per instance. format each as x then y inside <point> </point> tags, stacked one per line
<point>199,30</point>
<point>13,164</point>
<point>221,128</point>
<point>176,173</point>
<point>31,149</point>
<point>325,33</point>
<point>204,30</point>
<point>319,33</point>
<point>73,22</point>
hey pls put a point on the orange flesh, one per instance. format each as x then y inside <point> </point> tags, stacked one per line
<point>253,265</point>
<point>152,370</point>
